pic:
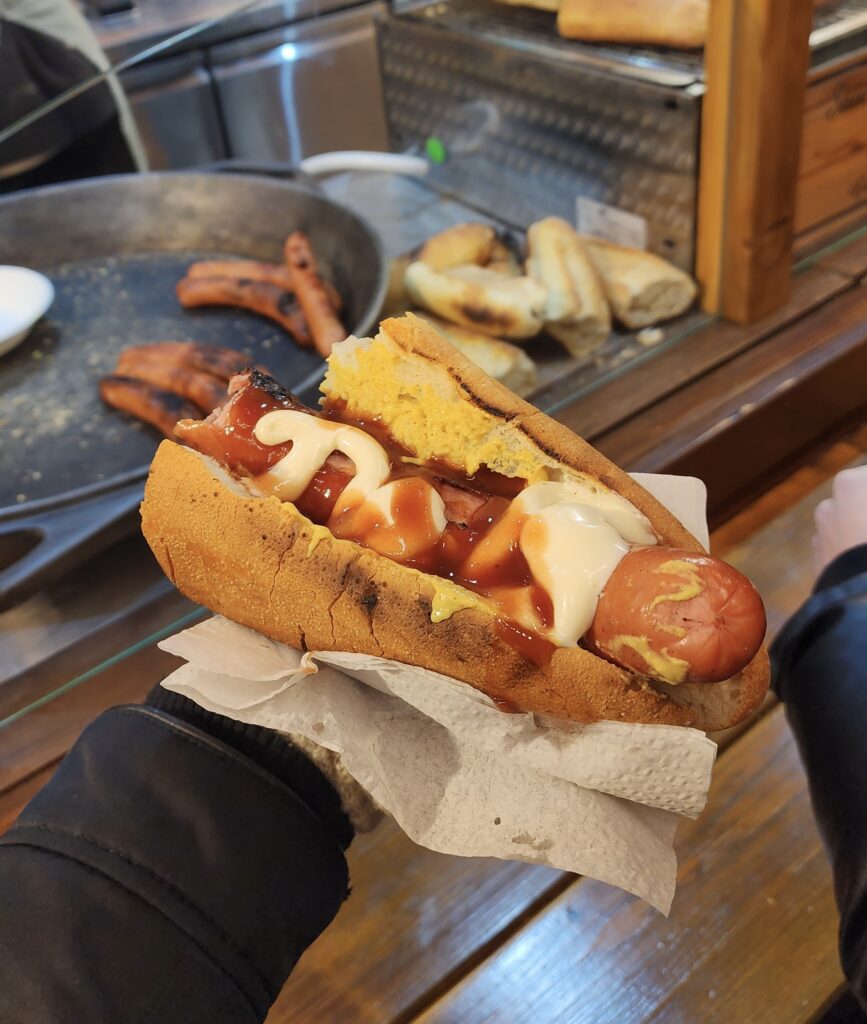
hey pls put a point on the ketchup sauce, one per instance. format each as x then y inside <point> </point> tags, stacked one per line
<point>476,508</point>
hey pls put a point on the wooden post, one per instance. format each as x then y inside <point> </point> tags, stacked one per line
<point>756,64</point>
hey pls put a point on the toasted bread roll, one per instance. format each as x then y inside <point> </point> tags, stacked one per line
<point>260,562</point>
<point>576,310</point>
<point>463,243</point>
<point>642,288</point>
<point>480,298</point>
<point>507,363</point>
<point>681,24</point>
<point>504,259</point>
<point>396,298</point>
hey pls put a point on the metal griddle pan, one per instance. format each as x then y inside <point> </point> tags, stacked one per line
<point>71,469</point>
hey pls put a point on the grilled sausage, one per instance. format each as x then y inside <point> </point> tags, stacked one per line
<point>678,616</point>
<point>206,391</point>
<point>269,300</point>
<point>254,270</point>
<point>146,402</point>
<point>313,297</point>
<point>222,363</point>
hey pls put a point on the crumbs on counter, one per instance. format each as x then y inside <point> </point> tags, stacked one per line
<point>649,336</point>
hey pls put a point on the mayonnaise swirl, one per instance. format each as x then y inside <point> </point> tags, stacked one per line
<point>313,440</point>
<point>572,534</point>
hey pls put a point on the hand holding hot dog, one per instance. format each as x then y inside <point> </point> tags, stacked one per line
<point>427,515</point>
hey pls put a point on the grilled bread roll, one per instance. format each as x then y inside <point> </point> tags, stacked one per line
<point>576,312</point>
<point>459,245</point>
<point>506,363</point>
<point>259,561</point>
<point>681,24</point>
<point>504,259</point>
<point>476,297</point>
<point>642,288</point>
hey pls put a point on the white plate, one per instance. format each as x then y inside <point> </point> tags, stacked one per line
<point>24,298</point>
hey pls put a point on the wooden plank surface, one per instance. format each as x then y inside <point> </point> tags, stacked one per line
<point>751,938</point>
<point>831,191</point>
<point>771,540</point>
<point>832,176</point>
<point>835,119</point>
<point>43,735</point>
<point>848,257</point>
<point>689,358</point>
<point>734,428</point>
<point>756,65</point>
<point>13,800</point>
<point>416,919</point>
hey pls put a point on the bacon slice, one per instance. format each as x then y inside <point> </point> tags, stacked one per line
<point>227,436</point>
<point>163,409</point>
<point>268,300</point>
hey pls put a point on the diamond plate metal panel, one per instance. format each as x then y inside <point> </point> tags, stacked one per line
<point>527,134</point>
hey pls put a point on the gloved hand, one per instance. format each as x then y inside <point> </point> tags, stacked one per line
<point>290,758</point>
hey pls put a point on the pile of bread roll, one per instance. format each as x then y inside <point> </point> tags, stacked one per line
<point>474,288</point>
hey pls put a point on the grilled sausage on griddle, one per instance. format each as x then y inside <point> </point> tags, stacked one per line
<point>146,402</point>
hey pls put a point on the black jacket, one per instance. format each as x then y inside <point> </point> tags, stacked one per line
<point>178,864</point>
<point>164,875</point>
<point>820,670</point>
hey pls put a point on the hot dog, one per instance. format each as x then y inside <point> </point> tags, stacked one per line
<point>268,300</point>
<point>678,615</point>
<point>429,516</point>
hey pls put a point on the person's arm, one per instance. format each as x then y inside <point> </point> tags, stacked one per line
<point>174,869</point>
<point>820,671</point>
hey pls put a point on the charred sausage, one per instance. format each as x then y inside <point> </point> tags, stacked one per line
<point>269,300</point>
<point>222,363</point>
<point>254,270</point>
<point>313,297</point>
<point>208,392</point>
<point>146,402</point>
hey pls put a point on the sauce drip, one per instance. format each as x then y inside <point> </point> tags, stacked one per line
<point>476,509</point>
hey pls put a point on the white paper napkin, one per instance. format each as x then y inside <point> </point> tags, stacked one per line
<point>460,776</point>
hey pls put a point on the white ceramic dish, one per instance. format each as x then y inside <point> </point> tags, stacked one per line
<point>25,295</point>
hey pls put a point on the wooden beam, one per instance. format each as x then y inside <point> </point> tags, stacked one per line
<point>756,64</point>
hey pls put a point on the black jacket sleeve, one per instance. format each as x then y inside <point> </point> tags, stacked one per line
<point>165,874</point>
<point>820,670</point>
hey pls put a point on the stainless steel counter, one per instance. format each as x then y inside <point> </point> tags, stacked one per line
<point>153,21</point>
<point>121,596</point>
